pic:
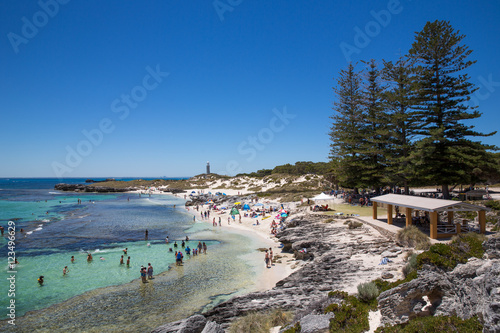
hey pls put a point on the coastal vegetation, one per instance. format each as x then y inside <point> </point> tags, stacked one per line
<point>405,123</point>
<point>412,237</point>
<point>261,322</point>
<point>448,324</point>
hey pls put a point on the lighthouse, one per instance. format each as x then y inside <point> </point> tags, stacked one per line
<point>208,168</point>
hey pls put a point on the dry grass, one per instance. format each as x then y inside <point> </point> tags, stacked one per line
<point>412,237</point>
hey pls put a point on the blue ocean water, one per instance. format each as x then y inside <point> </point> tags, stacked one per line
<point>55,227</point>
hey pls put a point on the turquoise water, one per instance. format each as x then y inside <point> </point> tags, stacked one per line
<point>104,224</point>
<point>84,276</point>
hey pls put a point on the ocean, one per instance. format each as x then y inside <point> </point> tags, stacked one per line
<point>56,227</point>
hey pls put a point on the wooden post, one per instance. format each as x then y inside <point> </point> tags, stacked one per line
<point>408,216</point>
<point>481,215</point>
<point>450,217</point>
<point>434,225</point>
<point>374,210</point>
<point>459,228</point>
<point>389,214</point>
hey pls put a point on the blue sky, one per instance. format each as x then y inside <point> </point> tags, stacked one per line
<point>158,88</point>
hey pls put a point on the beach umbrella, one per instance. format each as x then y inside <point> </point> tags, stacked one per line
<point>193,192</point>
<point>237,203</point>
<point>246,207</point>
<point>235,211</point>
<point>284,215</point>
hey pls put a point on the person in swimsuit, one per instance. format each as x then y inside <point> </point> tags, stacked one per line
<point>204,248</point>
<point>143,274</point>
<point>40,280</point>
<point>89,257</point>
<point>150,271</point>
<point>128,261</point>
<point>121,260</point>
<point>199,247</point>
<point>72,259</point>
<point>267,259</point>
<point>65,270</point>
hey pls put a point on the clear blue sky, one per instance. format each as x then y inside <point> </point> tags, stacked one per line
<point>162,87</point>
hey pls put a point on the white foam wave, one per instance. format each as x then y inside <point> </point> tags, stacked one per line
<point>45,220</point>
<point>54,192</point>
<point>29,232</point>
<point>38,229</point>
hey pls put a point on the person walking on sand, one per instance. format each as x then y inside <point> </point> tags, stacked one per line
<point>150,271</point>
<point>267,259</point>
<point>204,248</point>
<point>271,256</point>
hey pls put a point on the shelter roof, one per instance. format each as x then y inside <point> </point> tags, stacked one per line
<point>426,204</point>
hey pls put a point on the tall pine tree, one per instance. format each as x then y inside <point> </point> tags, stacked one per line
<point>346,133</point>
<point>399,98</point>
<point>375,130</point>
<point>445,154</point>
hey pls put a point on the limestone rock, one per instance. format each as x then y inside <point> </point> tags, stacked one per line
<point>387,275</point>
<point>193,324</point>
<point>315,323</point>
<point>492,248</point>
<point>212,327</point>
<point>470,289</point>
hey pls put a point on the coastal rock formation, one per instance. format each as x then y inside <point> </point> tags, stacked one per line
<point>470,289</point>
<point>90,188</point>
<point>193,324</point>
<point>332,264</point>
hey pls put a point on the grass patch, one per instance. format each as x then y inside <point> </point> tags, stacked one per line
<point>435,324</point>
<point>354,224</point>
<point>412,237</point>
<point>493,204</point>
<point>261,322</point>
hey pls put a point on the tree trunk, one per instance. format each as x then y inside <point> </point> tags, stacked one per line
<point>446,191</point>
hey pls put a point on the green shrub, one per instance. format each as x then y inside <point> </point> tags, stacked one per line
<point>351,316</point>
<point>411,265</point>
<point>461,248</point>
<point>440,324</point>
<point>412,237</point>
<point>295,329</point>
<point>384,285</point>
<point>355,225</point>
<point>367,291</point>
<point>493,204</point>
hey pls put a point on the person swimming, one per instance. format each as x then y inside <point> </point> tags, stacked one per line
<point>40,280</point>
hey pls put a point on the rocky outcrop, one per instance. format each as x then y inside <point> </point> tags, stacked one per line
<point>193,324</point>
<point>90,188</point>
<point>470,289</point>
<point>492,248</point>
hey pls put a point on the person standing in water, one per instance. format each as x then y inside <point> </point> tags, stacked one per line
<point>89,257</point>
<point>65,270</point>
<point>40,280</point>
<point>72,259</point>
<point>150,271</point>
<point>128,262</point>
<point>199,247</point>
<point>204,248</point>
<point>146,234</point>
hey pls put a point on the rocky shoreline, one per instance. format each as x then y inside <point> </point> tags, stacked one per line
<point>329,264</point>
